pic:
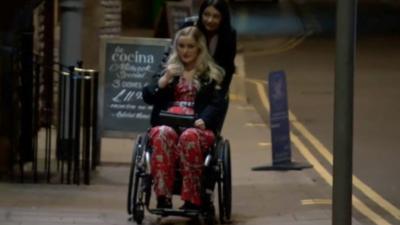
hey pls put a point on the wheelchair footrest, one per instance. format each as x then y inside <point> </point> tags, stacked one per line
<point>175,212</point>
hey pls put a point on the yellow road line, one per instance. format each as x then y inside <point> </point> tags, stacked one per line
<point>357,203</point>
<point>264,144</point>
<point>256,80</point>
<point>255,125</point>
<point>316,201</point>
<point>248,108</point>
<point>261,93</point>
<point>292,43</point>
<point>236,97</point>
<point>364,188</point>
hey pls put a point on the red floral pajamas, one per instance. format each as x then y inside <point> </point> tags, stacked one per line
<point>189,149</point>
<point>186,150</point>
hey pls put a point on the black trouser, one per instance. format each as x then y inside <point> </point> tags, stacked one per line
<point>223,112</point>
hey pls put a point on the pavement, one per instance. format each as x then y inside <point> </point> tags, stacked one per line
<point>259,197</point>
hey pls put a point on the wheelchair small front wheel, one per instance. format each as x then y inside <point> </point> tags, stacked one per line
<point>138,215</point>
<point>209,215</point>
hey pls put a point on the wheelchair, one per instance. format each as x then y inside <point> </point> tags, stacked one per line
<point>217,165</point>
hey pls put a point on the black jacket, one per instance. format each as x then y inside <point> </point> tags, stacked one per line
<point>208,103</point>
<point>224,56</point>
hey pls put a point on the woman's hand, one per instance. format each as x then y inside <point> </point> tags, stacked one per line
<point>173,70</point>
<point>170,72</point>
<point>199,123</point>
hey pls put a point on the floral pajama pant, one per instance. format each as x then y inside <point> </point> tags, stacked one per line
<point>186,150</point>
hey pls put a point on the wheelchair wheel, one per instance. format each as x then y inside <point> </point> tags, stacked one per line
<point>224,182</point>
<point>135,204</point>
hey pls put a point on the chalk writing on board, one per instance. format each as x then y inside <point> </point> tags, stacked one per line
<point>128,67</point>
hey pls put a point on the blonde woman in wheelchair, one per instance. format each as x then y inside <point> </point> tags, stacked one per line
<point>189,85</point>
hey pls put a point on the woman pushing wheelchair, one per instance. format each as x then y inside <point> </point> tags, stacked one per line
<point>189,85</point>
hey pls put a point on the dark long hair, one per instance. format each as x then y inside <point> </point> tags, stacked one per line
<point>223,8</point>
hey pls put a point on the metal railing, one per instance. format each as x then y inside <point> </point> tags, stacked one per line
<point>75,152</point>
<point>77,139</point>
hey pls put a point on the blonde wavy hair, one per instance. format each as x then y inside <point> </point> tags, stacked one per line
<point>206,68</point>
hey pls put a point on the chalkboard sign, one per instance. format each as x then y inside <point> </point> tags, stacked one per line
<point>176,14</point>
<point>127,64</point>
